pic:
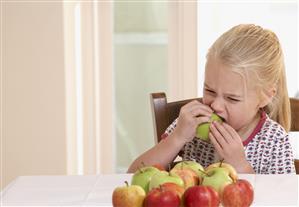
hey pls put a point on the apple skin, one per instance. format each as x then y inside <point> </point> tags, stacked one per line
<point>159,197</point>
<point>190,164</point>
<point>179,190</point>
<point>201,196</point>
<point>159,167</point>
<point>202,130</point>
<point>128,196</point>
<point>165,177</point>
<point>143,176</point>
<point>217,178</point>
<point>189,177</point>
<point>230,169</point>
<point>238,194</point>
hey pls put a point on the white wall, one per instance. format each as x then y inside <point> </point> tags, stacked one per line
<point>32,86</point>
<point>278,16</point>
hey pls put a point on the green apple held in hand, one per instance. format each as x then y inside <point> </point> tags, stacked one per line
<point>189,164</point>
<point>128,196</point>
<point>143,176</point>
<point>165,177</point>
<point>202,131</point>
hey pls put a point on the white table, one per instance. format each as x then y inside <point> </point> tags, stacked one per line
<point>96,190</point>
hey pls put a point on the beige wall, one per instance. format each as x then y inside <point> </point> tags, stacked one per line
<point>39,117</point>
<point>33,97</point>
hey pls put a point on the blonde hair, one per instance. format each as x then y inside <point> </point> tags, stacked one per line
<point>256,53</point>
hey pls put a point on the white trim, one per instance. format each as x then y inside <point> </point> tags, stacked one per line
<point>97,98</point>
<point>182,50</point>
<point>70,85</point>
<point>90,108</point>
<point>79,85</point>
<point>107,105</point>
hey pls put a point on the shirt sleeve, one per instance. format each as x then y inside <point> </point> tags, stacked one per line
<point>169,129</point>
<point>282,161</point>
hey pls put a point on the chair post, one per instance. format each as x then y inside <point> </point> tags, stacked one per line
<point>294,114</point>
<point>159,114</point>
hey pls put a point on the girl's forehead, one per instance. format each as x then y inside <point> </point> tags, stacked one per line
<point>218,75</point>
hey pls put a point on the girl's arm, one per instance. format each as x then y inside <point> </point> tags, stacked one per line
<point>163,153</point>
<point>191,114</point>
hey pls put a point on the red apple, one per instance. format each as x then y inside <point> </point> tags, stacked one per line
<point>238,194</point>
<point>200,195</point>
<point>160,197</point>
<point>179,190</point>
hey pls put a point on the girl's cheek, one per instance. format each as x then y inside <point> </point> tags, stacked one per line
<point>206,100</point>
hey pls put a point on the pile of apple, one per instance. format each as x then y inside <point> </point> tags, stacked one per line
<point>187,184</point>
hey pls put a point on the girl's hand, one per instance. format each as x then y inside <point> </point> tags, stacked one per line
<point>229,146</point>
<point>191,115</point>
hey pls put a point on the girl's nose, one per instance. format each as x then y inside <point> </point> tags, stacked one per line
<point>217,105</point>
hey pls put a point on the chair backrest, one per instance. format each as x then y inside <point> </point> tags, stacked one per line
<point>295,123</point>
<point>164,114</point>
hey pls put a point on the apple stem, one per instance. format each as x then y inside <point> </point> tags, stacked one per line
<point>160,186</point>
<point>140,169</point>
<point>143,164</point>
<point>221,161</point>
<point>127,184</point>
<point>169,167</point>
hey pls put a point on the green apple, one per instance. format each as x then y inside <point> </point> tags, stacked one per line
<point>217,178</point>
<point>165,177</point>
<point>143,176</point>
<point>195,166</point>
<point>202,130</point>
<point>229,168</point>
<point>128,196</point>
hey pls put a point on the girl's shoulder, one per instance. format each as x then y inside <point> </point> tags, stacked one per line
<point>272,130</point>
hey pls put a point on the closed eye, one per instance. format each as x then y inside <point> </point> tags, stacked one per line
<point>210,91</point>
<point>233,99</point>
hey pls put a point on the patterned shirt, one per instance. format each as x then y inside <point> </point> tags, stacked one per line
<point>267,149</point>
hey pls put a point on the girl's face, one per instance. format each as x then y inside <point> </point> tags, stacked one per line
<point>226,94</point>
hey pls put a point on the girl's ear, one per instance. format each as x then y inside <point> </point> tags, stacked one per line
<point>267,97</point>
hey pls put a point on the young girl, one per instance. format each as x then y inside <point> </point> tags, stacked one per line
<point>245,84</point>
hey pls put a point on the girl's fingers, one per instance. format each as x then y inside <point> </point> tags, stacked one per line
<point>231,131</point>
<point>196,108</point>
<point>201,110</point>
<point>202,119</point>
<point>216,144</point>
<point>222,130</point>
<point>218,136</point>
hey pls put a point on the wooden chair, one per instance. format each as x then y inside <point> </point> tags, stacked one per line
<point>164,114</point>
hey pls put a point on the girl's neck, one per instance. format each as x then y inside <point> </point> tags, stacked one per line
<point>246,131</point>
